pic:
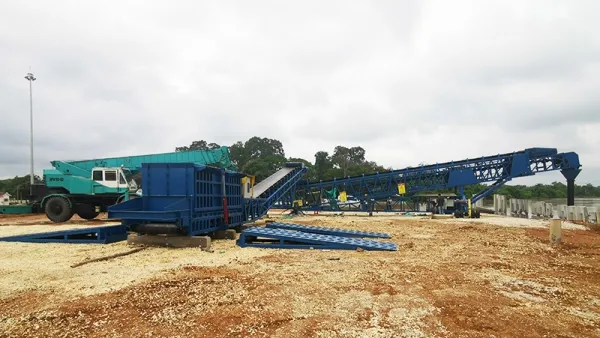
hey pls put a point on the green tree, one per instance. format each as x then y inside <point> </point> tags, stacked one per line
<point>345,158</point>
<point>258,156</point>
<point>310,175</point>
<point>238,154</point>
<point>343,163</point>
<point>199,145</point>
<point>322,165</point>
<point>257,147</point>
<point>19,186</point>
<point>196,145</point>
<point>263,167</point>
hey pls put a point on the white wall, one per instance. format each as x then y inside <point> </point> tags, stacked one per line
<point>5,199</point>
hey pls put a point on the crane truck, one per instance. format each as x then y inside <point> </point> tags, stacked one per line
<point>89,187</point>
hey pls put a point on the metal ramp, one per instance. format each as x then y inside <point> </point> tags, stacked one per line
<point>96,235</point>
<point>326,231</point>
<point>270,181</point>
<point>287,239</point>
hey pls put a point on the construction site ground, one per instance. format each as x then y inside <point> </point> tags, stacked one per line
<point>488,277</point>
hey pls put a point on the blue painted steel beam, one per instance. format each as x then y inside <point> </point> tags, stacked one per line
<point>96,235</point>
<point>286,239</point>
<point>497,185</point>
<point>502,167</point>
<point>326,231</point>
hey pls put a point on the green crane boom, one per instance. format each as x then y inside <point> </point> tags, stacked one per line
<point>219,156</point>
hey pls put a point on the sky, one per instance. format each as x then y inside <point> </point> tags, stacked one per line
<point>409,81</point>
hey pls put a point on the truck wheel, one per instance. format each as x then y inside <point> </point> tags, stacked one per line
<point>87,211</point>
<point>58,210</point>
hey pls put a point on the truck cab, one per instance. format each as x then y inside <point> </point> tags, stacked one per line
<point>120,179</point>
<point>66,193</point>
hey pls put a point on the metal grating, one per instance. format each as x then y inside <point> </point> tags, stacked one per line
<point>286,239</point>
<point>97,235</point>
<point>327,231</point>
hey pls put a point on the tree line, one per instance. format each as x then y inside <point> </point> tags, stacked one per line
<point>262,156</point>
<point>543,191</point>
<point>18,187</point>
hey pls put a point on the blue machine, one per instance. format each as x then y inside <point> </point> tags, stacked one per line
<point>185,198</point>
<point>190,199</point>
<point>403,183</point>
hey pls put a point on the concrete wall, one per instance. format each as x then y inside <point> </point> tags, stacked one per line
<point>534,209</point>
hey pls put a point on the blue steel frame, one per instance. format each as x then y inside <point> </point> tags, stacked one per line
<point>456,174</point>
<point>185,194</point>
<point>190,196</point>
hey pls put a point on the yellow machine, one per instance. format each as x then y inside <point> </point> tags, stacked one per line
<point>248,186</point>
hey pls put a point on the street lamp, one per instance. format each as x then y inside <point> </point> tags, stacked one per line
<point>30,78</point>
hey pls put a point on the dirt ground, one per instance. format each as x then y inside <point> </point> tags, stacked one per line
<point>491,277</point>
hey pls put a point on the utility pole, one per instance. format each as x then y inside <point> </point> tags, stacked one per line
<point>30,78</point>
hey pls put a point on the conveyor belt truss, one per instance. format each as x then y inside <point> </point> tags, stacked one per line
<point>456,174</point>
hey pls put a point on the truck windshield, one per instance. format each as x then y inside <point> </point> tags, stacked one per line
<point>128,175</point>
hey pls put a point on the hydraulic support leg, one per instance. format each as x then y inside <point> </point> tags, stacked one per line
<point>570,175</point>
<point>570,192</point>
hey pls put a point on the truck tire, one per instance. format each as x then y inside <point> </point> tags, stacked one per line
<point>87,211</point>
<point>58,209</point>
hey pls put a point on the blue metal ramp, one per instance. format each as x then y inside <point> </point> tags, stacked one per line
<point>96,235</point>
<point>326,231</point>
<point>286,239</point>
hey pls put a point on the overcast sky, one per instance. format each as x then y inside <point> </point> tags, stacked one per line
<point>409,81</point>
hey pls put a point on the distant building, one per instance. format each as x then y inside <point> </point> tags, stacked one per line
<point>4,198</point>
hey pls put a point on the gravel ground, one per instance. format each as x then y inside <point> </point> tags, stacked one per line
<point>519,222</point>
<point>492,276</point>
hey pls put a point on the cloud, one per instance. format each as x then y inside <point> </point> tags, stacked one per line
<point>409,81</point>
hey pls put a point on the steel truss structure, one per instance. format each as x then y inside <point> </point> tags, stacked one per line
<point>400,184</point>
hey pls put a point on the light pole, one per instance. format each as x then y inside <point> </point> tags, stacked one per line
<point>30,78</point>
